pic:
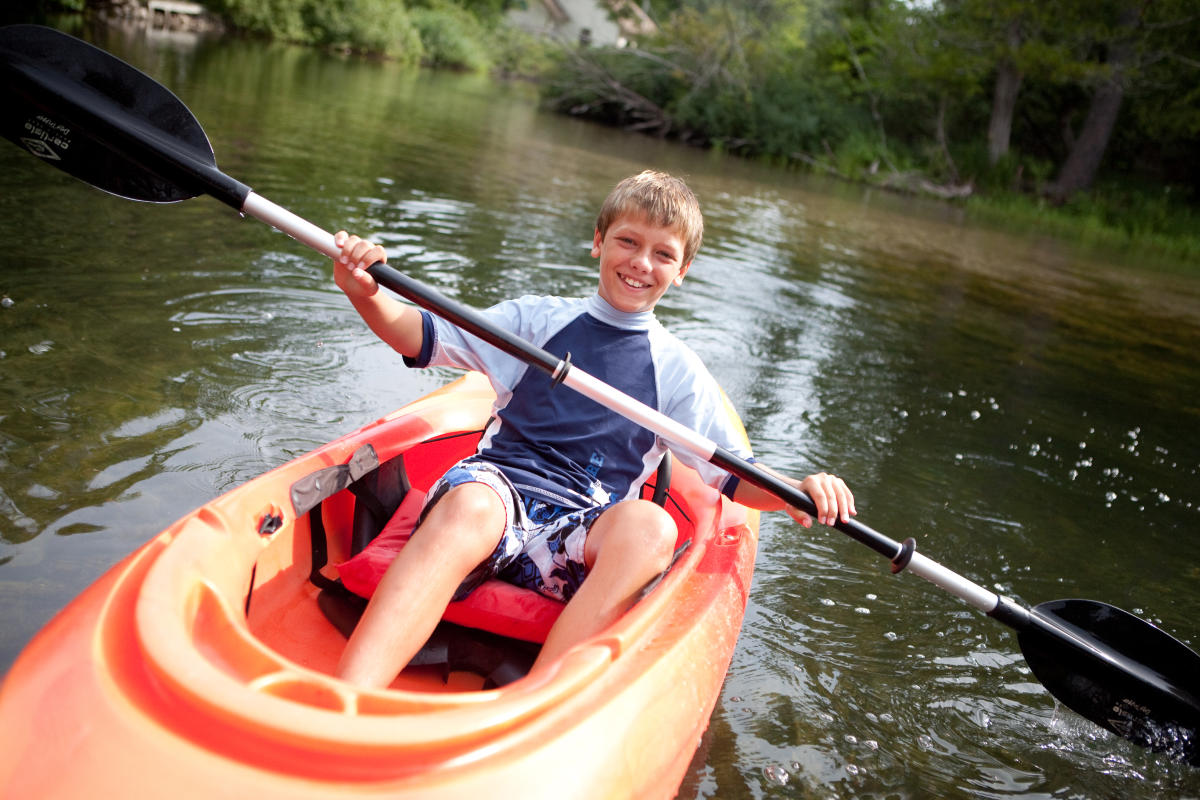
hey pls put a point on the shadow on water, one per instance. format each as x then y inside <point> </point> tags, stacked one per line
<point>1026,409</point>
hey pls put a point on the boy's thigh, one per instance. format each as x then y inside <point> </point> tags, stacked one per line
<point>476,492</point>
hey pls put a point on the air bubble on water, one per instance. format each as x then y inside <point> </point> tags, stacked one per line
<point>825,601</point>
<point>872,596</point>
<point>853,769</point>
<point>891,636</point>
<point>861,610</point>
<point>776,774</point>
<point>975,415</point>
<point>850,738</point>
<point>6,302</point>
<point>924,742</point>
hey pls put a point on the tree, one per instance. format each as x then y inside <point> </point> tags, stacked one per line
<point>1083,162</point>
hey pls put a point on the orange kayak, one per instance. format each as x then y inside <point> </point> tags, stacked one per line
<point>200,666</point>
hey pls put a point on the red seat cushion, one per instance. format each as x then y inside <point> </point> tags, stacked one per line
<point>495,606</point>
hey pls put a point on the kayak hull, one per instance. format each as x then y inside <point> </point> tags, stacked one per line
<point>200,665</point>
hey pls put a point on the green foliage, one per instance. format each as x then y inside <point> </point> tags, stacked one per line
<point>890,91</point>
<point>517,53</point>
<point>1146,221</point>
<point>375,26</point>
<point>451,37</point>
<point>369,26</point>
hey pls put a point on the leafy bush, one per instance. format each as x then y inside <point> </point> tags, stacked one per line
<point>374,26</point>
<point>451,36</point>
<point>518,53</point>
<point>370,26</point>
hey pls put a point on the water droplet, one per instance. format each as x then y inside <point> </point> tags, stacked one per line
<point>6,302</point>
<point>861,610</point>
<point>853,769</point>
<point>891,636</point>
<point>924,742</point>
<point>825,601</point>
<point>776,774</point>
<point>41,347</point>
<point>975,415</point>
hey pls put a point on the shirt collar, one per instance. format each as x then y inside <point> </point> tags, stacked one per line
<point>599,308</point>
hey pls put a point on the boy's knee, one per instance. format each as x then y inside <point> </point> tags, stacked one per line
<point>468,510</point>
<point>644,528</point>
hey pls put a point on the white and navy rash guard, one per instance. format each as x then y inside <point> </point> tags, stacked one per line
<point>557,444</point>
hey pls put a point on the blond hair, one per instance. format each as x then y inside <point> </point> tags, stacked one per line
<point>664,200</point>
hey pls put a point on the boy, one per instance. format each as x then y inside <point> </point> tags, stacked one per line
<point>549,499</point>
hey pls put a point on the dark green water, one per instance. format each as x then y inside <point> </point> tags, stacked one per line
<point>1027,409</point>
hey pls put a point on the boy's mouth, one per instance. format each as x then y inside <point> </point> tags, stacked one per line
<point>632,283</point>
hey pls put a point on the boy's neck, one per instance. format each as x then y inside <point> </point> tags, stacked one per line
<point>600,308</point>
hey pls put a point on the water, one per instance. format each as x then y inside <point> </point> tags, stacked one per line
<point>1024,407</point>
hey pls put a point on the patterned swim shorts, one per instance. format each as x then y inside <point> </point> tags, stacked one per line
<point>542,545</point>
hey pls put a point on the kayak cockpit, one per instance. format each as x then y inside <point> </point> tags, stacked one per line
<point>206,655</point>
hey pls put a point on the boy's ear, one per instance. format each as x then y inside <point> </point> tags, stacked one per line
<point>678,281</point>
<point>596,241</point>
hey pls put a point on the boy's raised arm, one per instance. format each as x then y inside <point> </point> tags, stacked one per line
<point>397,324</point>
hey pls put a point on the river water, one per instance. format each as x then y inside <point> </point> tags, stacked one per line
<point>1026,408</point>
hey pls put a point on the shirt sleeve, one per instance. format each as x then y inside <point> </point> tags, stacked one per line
<point>534,319</point>
<point>692,397</point>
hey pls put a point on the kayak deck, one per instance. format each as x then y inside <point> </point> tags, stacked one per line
<point>202,663</point>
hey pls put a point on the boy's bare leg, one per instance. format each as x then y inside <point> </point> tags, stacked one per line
<point>628,545</point>
<point>460,531</point>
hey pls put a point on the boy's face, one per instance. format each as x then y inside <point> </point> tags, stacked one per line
<point>638,263</point>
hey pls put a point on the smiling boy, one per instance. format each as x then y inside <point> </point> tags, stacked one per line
<point>550,499</point>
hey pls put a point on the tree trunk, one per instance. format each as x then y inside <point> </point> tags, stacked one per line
<point>1083,160</point>
<point>1004,99</point>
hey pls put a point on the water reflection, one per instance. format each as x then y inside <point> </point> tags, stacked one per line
<point>1025,409</point>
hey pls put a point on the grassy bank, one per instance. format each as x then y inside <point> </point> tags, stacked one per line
<point>1140,222</point>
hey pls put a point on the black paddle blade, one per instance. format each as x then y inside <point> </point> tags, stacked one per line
<point>74,105</point>
<point>1120,672</point>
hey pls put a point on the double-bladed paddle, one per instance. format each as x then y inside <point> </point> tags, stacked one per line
<point>97,118</point>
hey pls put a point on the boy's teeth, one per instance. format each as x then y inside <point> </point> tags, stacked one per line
<point>635,284</point>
